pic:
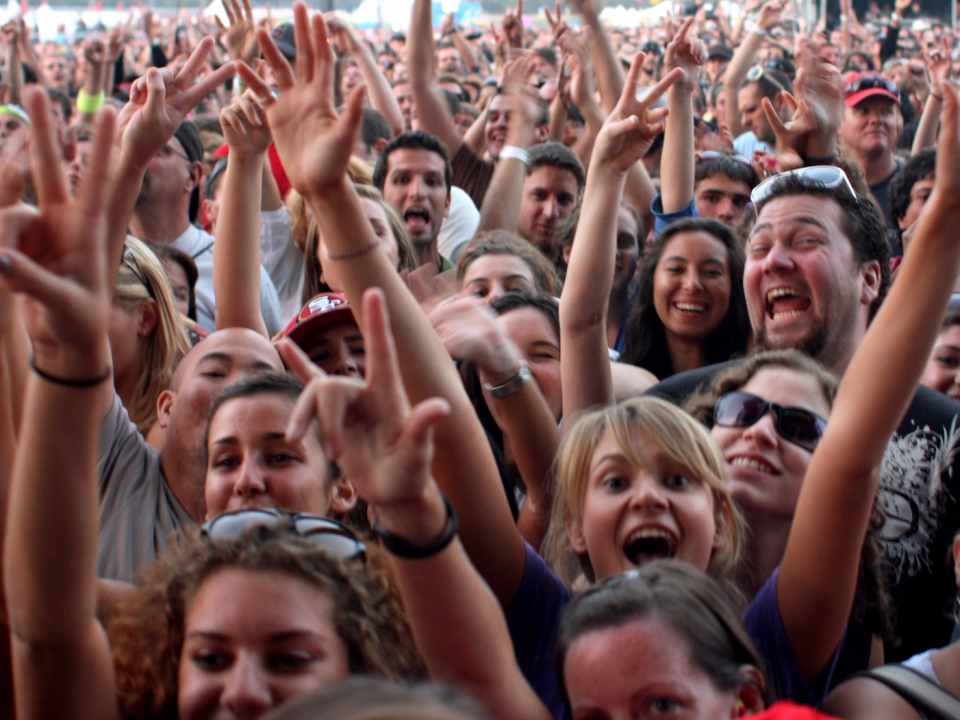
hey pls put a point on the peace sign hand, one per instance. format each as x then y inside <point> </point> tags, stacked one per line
<point>55,255</point>
<point>630,129</point>
<point>160,101</point>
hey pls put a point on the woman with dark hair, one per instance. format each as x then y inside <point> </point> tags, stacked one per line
<point>690,310</point>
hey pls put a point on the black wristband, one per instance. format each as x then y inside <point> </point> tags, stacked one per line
<point>91,382</point>
<point>407,550</point>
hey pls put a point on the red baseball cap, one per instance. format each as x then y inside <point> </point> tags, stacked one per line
<point>862,85</point>
<point>322,311</point>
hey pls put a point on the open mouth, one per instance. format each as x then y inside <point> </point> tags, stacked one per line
<point>416,218</point>
<point>753,464</point>
<point>650,543</point>
<point>688,308</point>
<point>786,304</point>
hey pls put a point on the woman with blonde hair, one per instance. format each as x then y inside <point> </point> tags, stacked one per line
<point>147,337</point>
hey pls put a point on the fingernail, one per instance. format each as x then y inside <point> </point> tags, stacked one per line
<point>5,263</point>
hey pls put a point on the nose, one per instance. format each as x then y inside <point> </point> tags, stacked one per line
<point>691,281</point>
<point>648,495</point>
<point>725,212</point>
<point>551,208</point>
<point>246,691</point>
<point>777,259</point>
<point>342,363</point>
<point>496,290</point>
<point>418,188</point>
<point>764,431</point>
<point>250,480</point>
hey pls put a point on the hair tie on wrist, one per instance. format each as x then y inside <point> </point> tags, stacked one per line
<point>405,549</point>
<point>64,382</point>
<point>353,253</point>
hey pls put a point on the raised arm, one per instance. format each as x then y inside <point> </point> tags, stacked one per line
<point>159,102</point>
<point>688,53</point>
<point>315,144</point>
<point>624,138</point>
<point>837,496</point>
<point>470,334</point>
<point>374,435</point>
<point>938,64</point>
<point>236,253</point>
<point>609,70</point>
<point>739,66</point>
<point>11,35</point>
<point>61,660</point>
<point>501,203</point>
<point>378,89</point>
<point>433,113</point>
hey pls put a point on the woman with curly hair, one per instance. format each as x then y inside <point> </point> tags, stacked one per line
<point>690,310</point>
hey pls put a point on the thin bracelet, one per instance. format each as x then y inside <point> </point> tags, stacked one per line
<point>405,549</point>
<point>91,382</point>
<point>354,253</point>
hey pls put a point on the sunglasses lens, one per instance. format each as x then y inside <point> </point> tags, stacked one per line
<point>738,410</point>
<point>800,427</point>
<point>331,536</point>
<point>231,526</point>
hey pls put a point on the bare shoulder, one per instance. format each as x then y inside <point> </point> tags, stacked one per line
<point>630,381</point>
<point>866,699</point>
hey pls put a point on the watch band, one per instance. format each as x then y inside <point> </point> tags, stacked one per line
<point>517,153</point>
<point>512,385</point>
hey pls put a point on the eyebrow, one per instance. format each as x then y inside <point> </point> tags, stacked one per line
<point>798,220</point>
<point>539,343</point>
<point>512,276</point>
<point>275,638</point>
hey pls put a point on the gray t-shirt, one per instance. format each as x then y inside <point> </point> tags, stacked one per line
<point>138,510</point>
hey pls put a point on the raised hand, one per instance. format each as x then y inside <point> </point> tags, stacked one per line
<point>95,51</point>
<point>770,14</point>
<point>512,25</point>
<point>245,126</point>
<point>792,135</point>
<point>819,85</point>
<point>368,428</point>
<point>469,333</point>
<point>937,61</point>
<point>160,101</point>
<point>239,37</point>
<point>314,142</point>
<point>55,255</point>
<point>518,71</point>
<point>557,24</point>
<point>688,53</point>
<point>449,24</point>
<point>581,82</point>
<point>630,129</point>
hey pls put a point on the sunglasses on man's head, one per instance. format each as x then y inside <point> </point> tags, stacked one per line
<point>796,425</point>
<point>829,176</point>
<point>328,534</point>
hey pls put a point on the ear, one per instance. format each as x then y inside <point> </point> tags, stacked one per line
<point>543,132</point>
<point>956,556</point>
<point>378,147</point>
<point>446,207</point>
<point>165,402</point>
<point>343,497</point>
<point>750,693</point>
<point>196,173</point>
<point>872,277</point>
<point>567,249</point>
<point>575,533</point>
<point>148,317</point>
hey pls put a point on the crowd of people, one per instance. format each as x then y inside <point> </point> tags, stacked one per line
<point>538,370</point>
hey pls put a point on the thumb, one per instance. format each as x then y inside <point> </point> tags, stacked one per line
<point>22,275</point>
<point>776,123</point>
<point>422,418</point>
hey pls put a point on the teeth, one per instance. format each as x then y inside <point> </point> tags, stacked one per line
<point>752,464</point>
<point>650,533</point>
<point>690,307</point>
<point>781,292</point>
<point>788,315</point>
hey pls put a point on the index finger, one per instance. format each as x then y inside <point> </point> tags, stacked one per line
<point>248,10</point>
<point>630,83</point>
<point>93,187</point>
<point>682,32</point>
<point>45,156</point>
<point>383,371</point>
<point>193,96</point>
<point>192,67</point>
<point>661,87</point>
<point>520,12</point>
<point>275,59</point>
<point>550,20</point>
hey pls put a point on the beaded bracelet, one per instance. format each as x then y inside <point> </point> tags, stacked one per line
<point>354,253</point>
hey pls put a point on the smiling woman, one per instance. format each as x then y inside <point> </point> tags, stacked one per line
<point>690,310</point>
